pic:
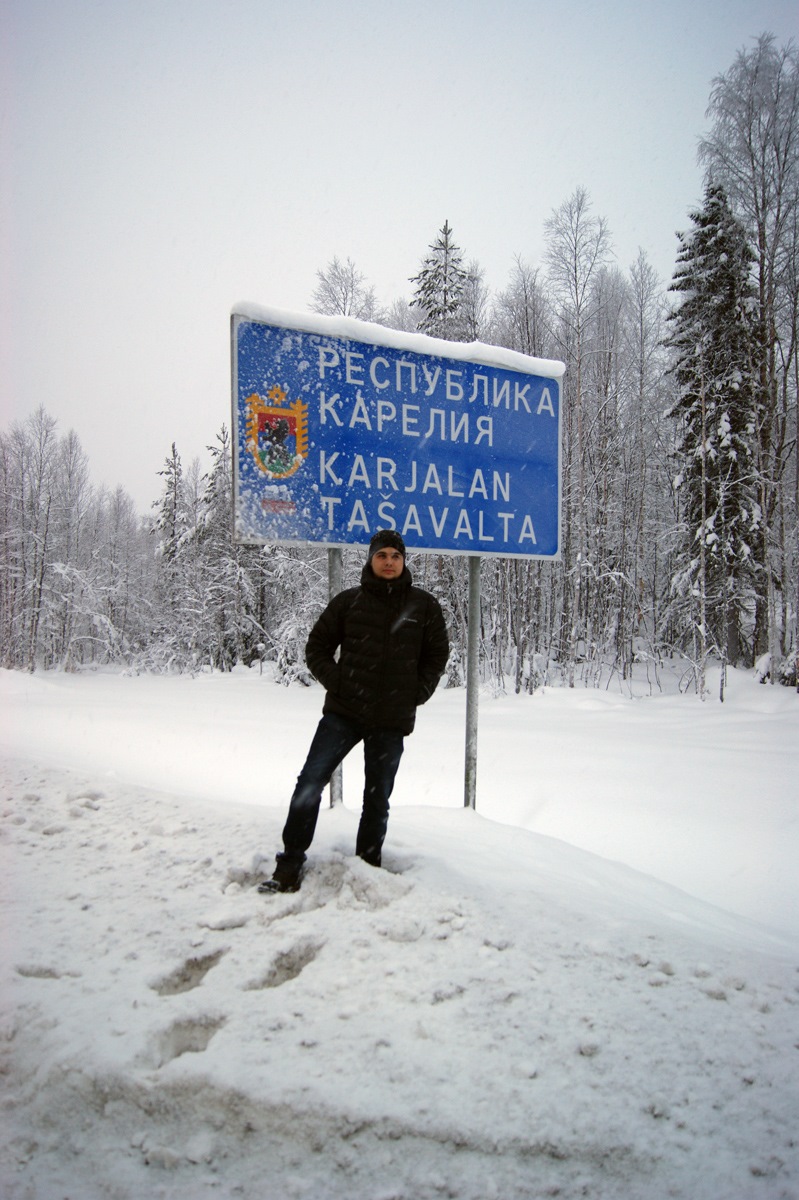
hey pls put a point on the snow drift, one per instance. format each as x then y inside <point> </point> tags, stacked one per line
<point>499,1013</point>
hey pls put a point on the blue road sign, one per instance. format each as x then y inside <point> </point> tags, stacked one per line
<point>342,428</point>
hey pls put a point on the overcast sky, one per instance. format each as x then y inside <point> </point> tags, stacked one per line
<point>163,159</point>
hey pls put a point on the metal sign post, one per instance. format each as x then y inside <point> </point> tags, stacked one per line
<point>472,685</point>
<point>335,584</point>
<point>341,428</point>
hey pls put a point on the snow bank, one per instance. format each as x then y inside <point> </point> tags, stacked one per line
<point>496,1014</point>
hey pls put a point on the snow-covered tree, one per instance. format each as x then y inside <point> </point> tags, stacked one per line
<point>474,305</point>
<point>126,570</point>
<point>341,290</point>
<point>73,563</point>
<point>440,290</point>
<point>578,246</point>
<point>752,150</point>
<point>716,410</point>
<point>520,312</point>
<point>171,637</point>
<point>401,315</point>
<point>229,573</point>
<point>30,489</point>
<point>645,465</point>
<point>169,524</point>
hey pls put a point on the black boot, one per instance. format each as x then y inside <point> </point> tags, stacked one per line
<point>371,856</point>
<point>287,875</point>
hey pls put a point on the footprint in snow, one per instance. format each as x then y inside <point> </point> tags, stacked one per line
<point>188,975</point>
<point>287,965</point>
<point>41,971</point>
<point>188,1036</point>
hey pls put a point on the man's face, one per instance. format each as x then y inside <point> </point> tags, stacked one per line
<point>387,563</point>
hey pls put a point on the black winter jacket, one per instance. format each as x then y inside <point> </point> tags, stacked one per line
<point>394,648</point>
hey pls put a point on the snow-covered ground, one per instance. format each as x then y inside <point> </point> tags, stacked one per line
<point>589,987</point>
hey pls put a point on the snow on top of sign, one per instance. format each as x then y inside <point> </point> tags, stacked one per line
<point>417,343</point>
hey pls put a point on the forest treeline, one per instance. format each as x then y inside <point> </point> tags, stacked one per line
<point>680,458</point>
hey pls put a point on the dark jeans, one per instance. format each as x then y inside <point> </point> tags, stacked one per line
<point>334,738</point>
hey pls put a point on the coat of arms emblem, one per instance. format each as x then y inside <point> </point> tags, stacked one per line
<point>277,432</point>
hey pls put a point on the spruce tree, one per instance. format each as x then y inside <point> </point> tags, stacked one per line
<point>752,150</point>
<point>229,572</point>
<point>169,636</point>
<point>715,407</point>
<point>440,289</point>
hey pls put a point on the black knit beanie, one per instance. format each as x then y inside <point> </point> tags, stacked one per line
<point>384,538</point>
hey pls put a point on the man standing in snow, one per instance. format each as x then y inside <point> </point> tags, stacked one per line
<point>393,650</point>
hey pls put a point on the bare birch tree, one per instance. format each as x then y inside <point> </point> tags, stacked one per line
<point>578,245</point>
<point>342,290</point>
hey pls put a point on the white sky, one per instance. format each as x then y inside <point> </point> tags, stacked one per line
<point>164,159</point>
